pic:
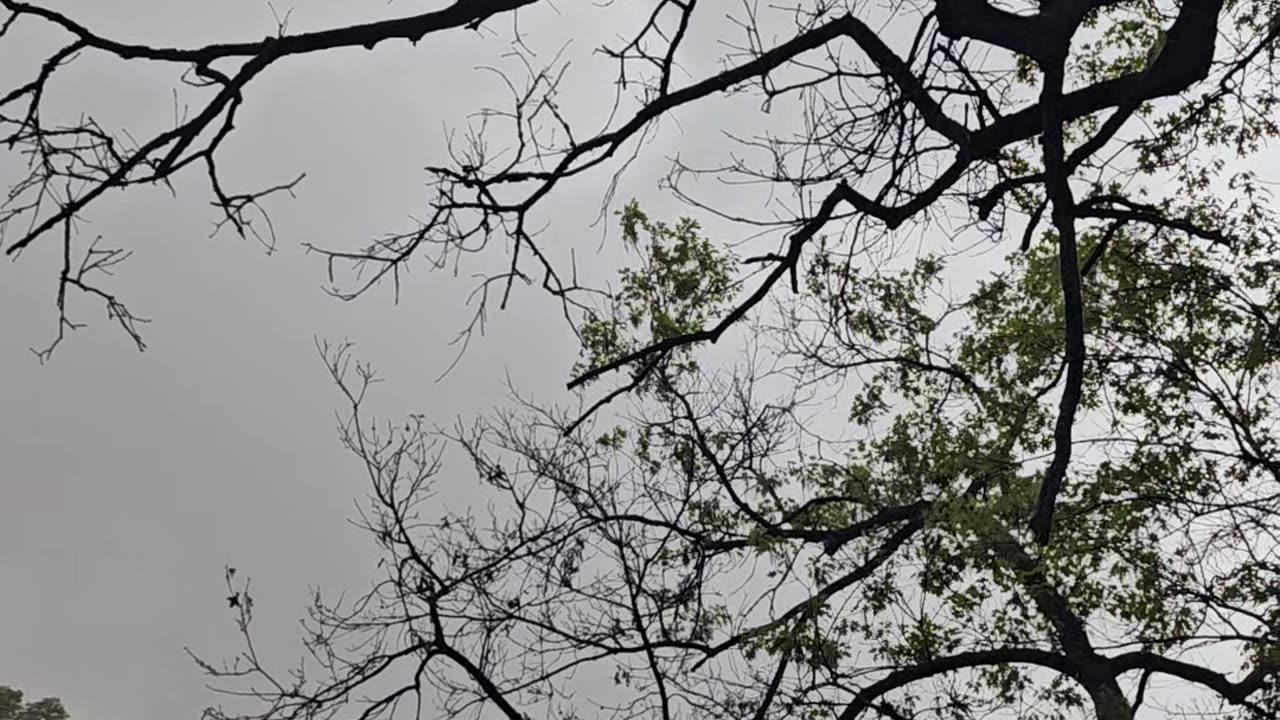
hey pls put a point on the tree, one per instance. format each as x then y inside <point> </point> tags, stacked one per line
<point>1051,483</point>
<point>12,707</point>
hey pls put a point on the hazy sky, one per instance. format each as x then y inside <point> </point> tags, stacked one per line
<point>128,480</point>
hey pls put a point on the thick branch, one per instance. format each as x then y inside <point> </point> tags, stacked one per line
<point>1235,693</point>
<point>1058,191</point>
<point>977,19</point>
<point>464,13</point>
<point>867,696</point>
<point>1186,59</point>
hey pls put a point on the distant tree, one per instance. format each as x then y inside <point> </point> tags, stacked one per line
<point>12,707</point>
<point>943,482</point>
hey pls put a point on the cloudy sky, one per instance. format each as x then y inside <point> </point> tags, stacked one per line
<point>128,480</point>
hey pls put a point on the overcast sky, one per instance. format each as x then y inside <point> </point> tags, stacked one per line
<point>128,480</point>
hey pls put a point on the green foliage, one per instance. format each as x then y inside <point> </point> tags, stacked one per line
<point>957,403</point>
<point>12,707</point>
<point>681,282</point>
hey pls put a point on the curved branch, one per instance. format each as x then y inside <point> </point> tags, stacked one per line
<point>1236,693</point>
<point>867,696</point>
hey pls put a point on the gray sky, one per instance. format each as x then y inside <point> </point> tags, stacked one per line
<point>129,479</point>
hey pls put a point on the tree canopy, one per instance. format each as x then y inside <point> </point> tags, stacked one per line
<point>1003,439</point>
<point>12,707</point>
